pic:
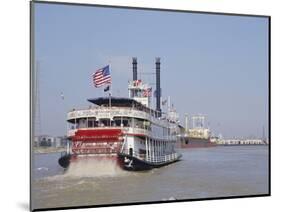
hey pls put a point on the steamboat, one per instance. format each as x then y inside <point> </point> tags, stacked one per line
<point>127,130</point>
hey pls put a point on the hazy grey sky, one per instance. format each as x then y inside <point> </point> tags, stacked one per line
<point>214,65</point>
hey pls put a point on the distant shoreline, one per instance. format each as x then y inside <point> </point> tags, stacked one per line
<point>240,145</point>
<point>45,150</point>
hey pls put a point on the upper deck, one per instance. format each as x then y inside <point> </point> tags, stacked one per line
<point>124,113</point>
<point>114,112</point>
<point>109,108</point>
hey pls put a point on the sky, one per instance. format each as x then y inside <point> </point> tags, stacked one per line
<point>215,65</point>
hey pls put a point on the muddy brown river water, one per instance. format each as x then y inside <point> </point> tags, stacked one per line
<point>202,173</point>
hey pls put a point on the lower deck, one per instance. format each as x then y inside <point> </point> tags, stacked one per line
<point>134,163</point>
<point>114,142</point>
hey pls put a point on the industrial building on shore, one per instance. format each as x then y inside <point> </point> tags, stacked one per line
<point>242,142</point>
<point>49,141</point>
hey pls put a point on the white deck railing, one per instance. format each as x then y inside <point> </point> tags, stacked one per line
<point>154,159</point>
<point>164,158</point>
<point>105,112</point>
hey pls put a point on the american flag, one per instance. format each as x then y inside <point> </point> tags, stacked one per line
<point>147,92</point>
<point>137,82</point>
<point>102,77</point>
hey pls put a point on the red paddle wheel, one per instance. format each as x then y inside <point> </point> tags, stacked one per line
<point>97,141</point>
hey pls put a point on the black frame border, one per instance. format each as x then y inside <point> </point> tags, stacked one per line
<point>31,90</point>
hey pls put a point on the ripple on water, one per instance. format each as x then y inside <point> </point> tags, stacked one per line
<point>212,172</point>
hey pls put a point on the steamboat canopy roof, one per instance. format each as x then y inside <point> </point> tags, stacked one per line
<point>120,102</point>
<point>115,101</point>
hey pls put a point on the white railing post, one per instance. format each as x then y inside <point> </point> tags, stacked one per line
<point>146,152</point>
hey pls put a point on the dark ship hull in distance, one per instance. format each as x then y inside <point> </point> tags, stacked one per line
<point>191,142</point>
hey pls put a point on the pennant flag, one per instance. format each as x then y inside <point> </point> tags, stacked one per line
<point>106,89</point>
<point>61,95</point>
<point>164,102</point>
<point>102,77</point>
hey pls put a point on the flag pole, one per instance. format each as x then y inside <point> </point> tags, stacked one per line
<point>109,93</point>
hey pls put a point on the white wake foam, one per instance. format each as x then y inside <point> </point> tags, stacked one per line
<point>93,167</point>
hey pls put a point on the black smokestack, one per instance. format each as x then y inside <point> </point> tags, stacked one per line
<point>135,72</point>
<point>158,87</point>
